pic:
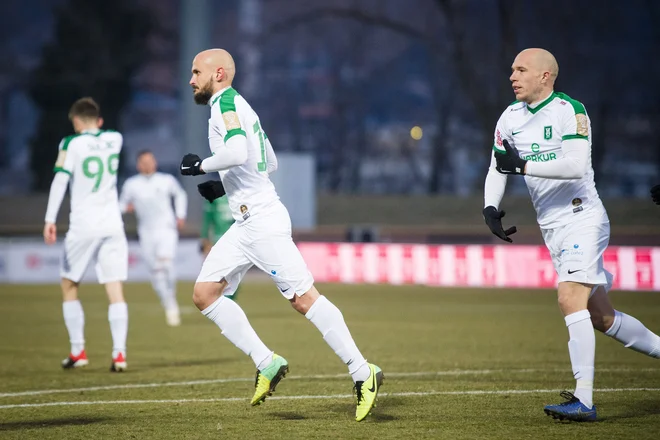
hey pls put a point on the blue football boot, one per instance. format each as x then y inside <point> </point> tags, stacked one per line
<point>572,409</point>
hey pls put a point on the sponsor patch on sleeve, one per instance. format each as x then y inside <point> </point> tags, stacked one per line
<point>582,126</point>
<point>61,157</point>
<point>231,120</point>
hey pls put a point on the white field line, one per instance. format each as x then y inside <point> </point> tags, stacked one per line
<point>317,397</point>
<point>310,377</point>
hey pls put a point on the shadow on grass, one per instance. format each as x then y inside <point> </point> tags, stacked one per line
<point>187,363</point>
<point>284,415</point>
<point>639,409</point>
<point>52,423</point>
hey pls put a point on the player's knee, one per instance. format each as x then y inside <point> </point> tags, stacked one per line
<point>572,297</point>
<point>205,294</point>
<point>600,321</point>
<point>304,302</point>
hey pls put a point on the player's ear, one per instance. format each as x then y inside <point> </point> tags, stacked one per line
<point>99,122</point>
<point>220,74</point>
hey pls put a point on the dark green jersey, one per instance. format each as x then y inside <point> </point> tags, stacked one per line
<point>217,219</point>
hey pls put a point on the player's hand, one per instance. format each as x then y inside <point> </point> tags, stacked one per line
<point>130,209</point>
<point>180,223</point>
<point>493,219</point>
<point>191,165</point>
<point>204,246</point>
<point>211,190</point>
<point>50,233</point>
<point>655,194</point>
<point>510,161</point>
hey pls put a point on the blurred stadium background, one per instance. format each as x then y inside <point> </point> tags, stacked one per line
<point>381,112</point>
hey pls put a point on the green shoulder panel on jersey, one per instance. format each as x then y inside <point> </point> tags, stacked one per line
<point>67,140</point>
<point>577,105</point>
<point>61,170</point>
<point>229,115</point>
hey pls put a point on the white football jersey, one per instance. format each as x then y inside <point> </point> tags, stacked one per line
<point>248,187</point>
<point>538,133</point>
<point>152,196</point>
<point>91,158</point>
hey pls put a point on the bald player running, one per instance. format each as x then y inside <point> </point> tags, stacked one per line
<point>261,236</point>
<point>546,136</point>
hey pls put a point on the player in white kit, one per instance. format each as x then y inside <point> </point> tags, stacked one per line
<point>261,236</point>
<point>87,163</point>
<point>150,194</point>
<point>546,136</point>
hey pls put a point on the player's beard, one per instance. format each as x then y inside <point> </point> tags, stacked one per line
<point>204,94</point>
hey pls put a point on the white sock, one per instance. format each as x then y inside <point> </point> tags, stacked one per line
<point>632,333</point>
<point>582,351</point>
<point>74,319</point>
<point>235,326</point>
<point>162,282</point>
<point>118,317</point>
<point>330,322</point>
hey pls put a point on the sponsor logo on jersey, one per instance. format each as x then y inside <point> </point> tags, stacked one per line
<point>244,211</point>
<point>231,120</point>
<point>541,157</point>
<point>577,201</point>
<point>61,157</point>
<point>498,138</point>
<point>582,125</point>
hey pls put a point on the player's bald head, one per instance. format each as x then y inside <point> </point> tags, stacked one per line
<point>214,59</point>
<point>533,75</point>
<point>212,70</point>
<point>541,60</point>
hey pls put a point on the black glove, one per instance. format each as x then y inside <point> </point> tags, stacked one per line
<point>211,190</point>
<point>190,165</point>
<point>655,194</point>
<point>493,219</point>
<point>510,161</point>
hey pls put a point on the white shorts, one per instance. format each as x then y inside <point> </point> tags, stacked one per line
<point>110,254</point>
<point>264,241</point>
<point>158,246</point>
<point>577,253</point>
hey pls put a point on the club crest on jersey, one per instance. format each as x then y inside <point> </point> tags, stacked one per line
<point>547,132</point>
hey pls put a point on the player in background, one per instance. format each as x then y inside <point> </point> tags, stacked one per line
<point>150,194</point>
<point>261,236</point>
<point>655,194</point>
<point>87,163</point>
<point>216,221</point>
<point>546,136</point>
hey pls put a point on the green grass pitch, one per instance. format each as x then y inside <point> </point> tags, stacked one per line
<point>458,363</point>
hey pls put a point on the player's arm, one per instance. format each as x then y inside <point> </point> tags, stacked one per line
<point>180,202</point>
<point>495,185</point>
<point>227,140</point>
<point>575,148</point>
<point>271,159</point>
<point>63,170</point>
<point>126,198</point>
